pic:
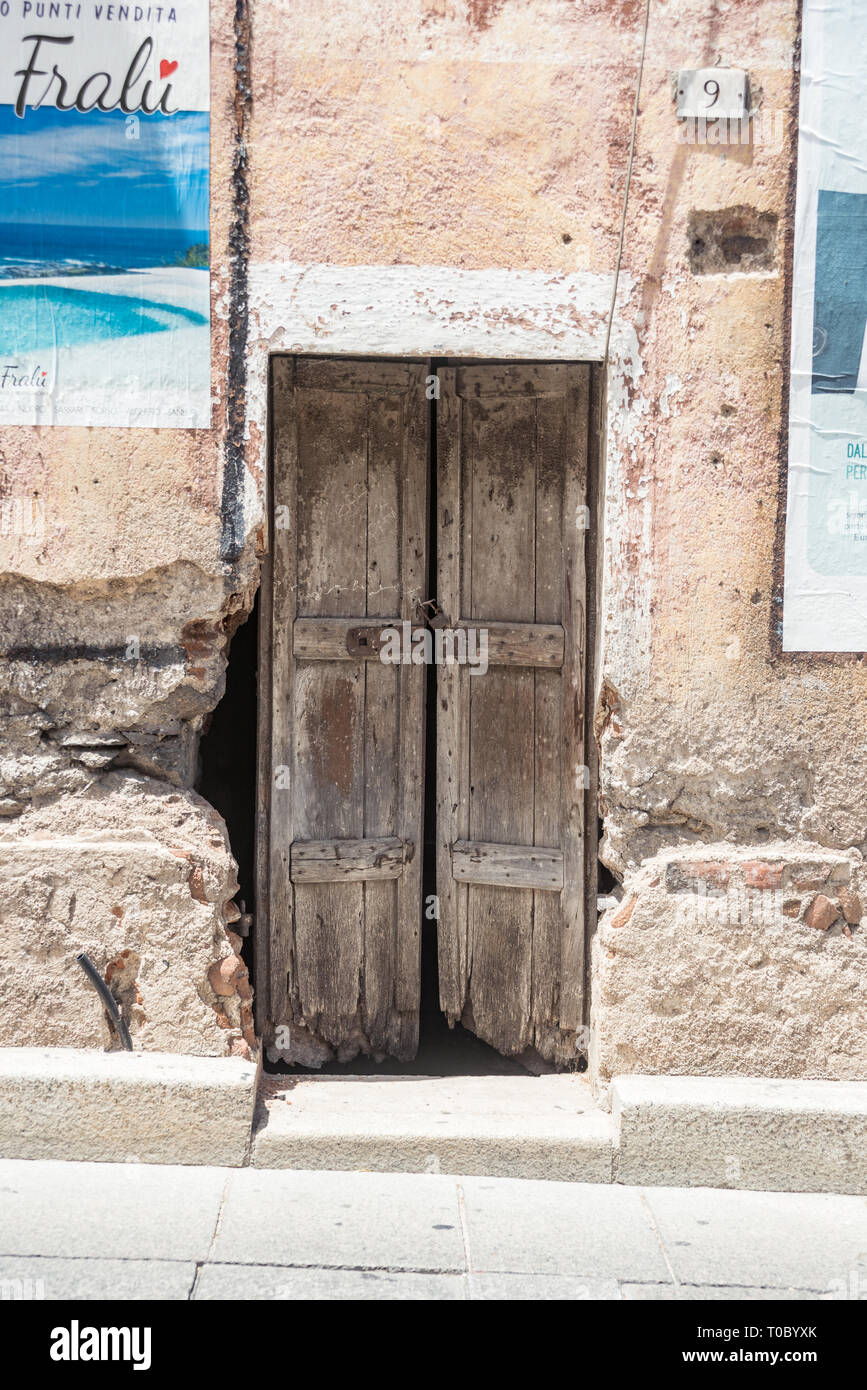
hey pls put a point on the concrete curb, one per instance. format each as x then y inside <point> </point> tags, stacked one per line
<point>735,1132</point>
<point>741,1132</point>
<point>125,1107</point>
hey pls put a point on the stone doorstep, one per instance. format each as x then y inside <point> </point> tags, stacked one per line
<point>737,1132</point>
<point>125,1107</point>
<point>494,1126</point>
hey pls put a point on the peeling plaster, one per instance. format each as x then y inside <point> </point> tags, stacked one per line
<point>431,311</point>
<point>673,384</point>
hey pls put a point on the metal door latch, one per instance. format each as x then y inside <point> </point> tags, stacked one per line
<point>428,611</point>
<point>364,641</point>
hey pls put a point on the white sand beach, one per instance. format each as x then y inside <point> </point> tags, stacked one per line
<point>152,379</point>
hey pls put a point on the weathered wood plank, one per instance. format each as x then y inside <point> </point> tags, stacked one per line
<point>521,644</point>
<point>328,803</point>
<point>349,861</point>
<point>331,639</point>
<point>499,585</point>
<point>352,639</point>
<point>358,480</point>
<point>452,804</point>
<point>411,687</point>
<point>551,432</point>
<point>513,379</point>
<point>574,666</point>
<point>355,375</point>
<point>281,895</point>
<point>385,428</point>
<point>508,866</point>
<point>329,701</point>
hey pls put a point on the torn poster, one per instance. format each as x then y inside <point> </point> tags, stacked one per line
<point>825,594</point>
<point>104,241</point>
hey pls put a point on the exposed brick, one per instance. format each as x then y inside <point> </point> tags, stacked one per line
<point>851,905</point>
<point>235,941</point>
<point>247,1024</point>
<point>624,912</point>
<point>216,981</point>
<point>231,912</point>
<point>792,907</point>
<point>224,974</point>
<point>821,913</point>
<point>197,885</point>
<point>685,873</point>
<point>758,873</point>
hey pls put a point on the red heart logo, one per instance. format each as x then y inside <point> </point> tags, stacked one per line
<point>167,68</point>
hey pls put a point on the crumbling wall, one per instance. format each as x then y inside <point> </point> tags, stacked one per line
<point>720,962</point>
<point>103,846</point>
<point>138,875</point>
<point>120,586</point>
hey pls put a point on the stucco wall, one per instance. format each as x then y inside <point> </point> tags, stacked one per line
<point>447,178</point>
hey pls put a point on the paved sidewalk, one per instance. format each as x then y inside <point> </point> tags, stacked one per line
<point>99,1230</point>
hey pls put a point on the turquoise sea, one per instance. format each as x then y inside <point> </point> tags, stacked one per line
<point>38,317</point>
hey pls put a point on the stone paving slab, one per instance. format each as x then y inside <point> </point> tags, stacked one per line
<point>799,1240</point>
<point>233,1281</point>
<point>372,1220</point>
<point>108,1211</point>
<point>503,1126</point>
<point>741,1132</point>
<point>542,1287</point>
<point>587,1229</point>
<point>86,1230</point>
<point>709,1293</point>
<point>26,1277</point>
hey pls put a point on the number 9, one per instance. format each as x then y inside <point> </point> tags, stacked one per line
<point>712,89</point>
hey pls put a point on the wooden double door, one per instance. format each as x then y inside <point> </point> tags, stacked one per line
<point>403,497</point>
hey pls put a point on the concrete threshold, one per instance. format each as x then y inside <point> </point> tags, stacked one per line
<point>499,1126</point>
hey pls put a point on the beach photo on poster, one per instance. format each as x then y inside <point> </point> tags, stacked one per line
<point>104,256</point>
